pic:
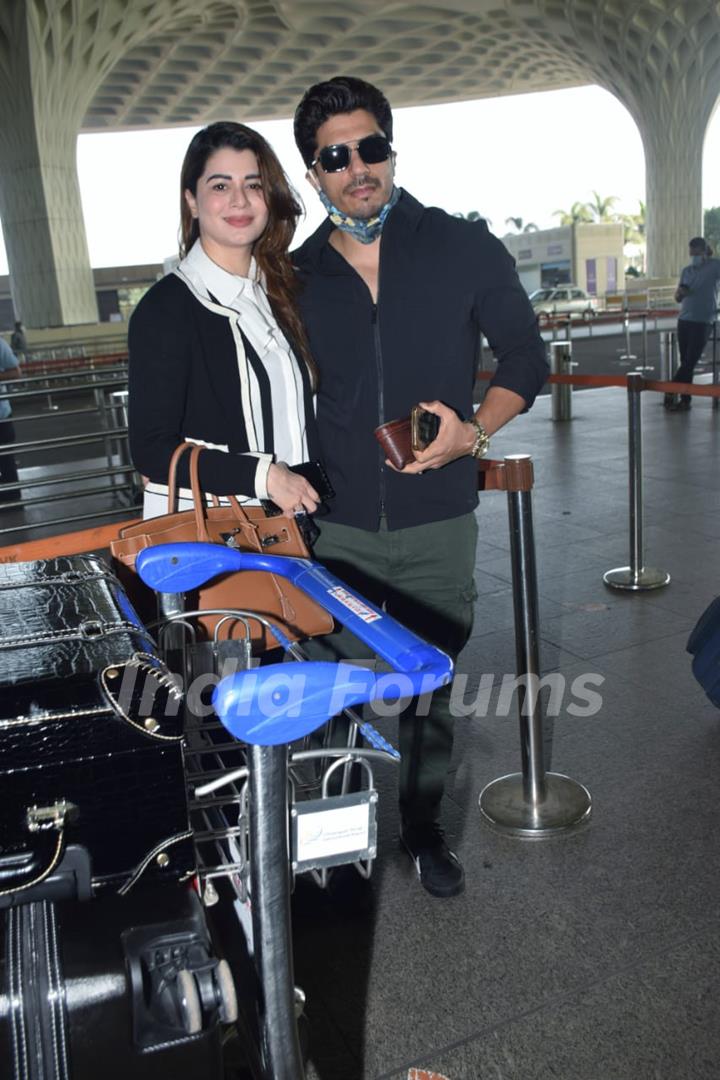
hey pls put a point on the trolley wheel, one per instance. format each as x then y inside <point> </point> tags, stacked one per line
<point>226,992</point>
<point>189,1002</point>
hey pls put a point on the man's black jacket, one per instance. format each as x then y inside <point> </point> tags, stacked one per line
<point>442,282</point>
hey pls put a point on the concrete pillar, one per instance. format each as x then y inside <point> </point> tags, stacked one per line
<point>53,57</point>
<point>661,59</point>
<point>40,208</point>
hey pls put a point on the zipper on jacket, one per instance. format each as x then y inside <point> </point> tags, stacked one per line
<point>381,396</point>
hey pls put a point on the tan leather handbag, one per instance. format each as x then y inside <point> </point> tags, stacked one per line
<point>247,528</point>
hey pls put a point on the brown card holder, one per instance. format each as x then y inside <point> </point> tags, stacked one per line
<point>395,439</point>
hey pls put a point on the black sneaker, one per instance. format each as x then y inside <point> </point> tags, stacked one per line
<point>439,869</point>
<point>670,401</point>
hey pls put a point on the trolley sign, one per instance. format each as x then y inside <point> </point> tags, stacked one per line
<point>334,830</point>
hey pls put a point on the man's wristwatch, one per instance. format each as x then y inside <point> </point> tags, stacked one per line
<point>482,439</point>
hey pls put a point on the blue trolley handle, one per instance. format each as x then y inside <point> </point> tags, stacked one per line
<point>283,702</point>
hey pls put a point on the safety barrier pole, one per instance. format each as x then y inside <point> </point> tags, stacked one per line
<point>635,577</point>
<point>716,402</point>
<point>667,355</point>
<point>628,356</point>
<point>270,890</point>
<point>561,393</point>
<point>533,804</point>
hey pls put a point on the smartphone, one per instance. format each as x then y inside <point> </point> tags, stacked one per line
<point>424,427</point>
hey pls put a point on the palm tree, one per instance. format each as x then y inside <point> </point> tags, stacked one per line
<point>634,226</point>
<point>601,208</point>
<point>473,215</point>
<point>578,214</point>
<point>520,226</point>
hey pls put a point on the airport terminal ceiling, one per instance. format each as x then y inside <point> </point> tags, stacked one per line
<point>255,59</point>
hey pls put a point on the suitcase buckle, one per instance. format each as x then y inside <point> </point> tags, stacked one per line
<point>55,816</point>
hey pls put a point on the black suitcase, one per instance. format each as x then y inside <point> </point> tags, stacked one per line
<point>120,988</point>
<point>92,781</point>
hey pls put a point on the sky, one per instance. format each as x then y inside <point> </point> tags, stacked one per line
<point>521,156</point>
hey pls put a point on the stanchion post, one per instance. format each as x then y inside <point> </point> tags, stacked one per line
<point>561,393</point>
<point>533,804</point>
<point>270,890</point>
<point>644,340</point>
<point>715,401</point>
<point>667,355</point>
<point>635,577</point>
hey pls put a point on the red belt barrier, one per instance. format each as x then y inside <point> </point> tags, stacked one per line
<point>621,380</point>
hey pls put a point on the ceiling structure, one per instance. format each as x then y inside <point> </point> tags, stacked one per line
<point>97,65</point>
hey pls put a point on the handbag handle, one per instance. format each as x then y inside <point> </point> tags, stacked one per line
<point>200,504</point>
<point>172,475</point>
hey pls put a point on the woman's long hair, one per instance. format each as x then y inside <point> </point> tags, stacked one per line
<point>271,250</point>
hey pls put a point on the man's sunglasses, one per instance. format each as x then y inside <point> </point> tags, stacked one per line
<point>372,149</point>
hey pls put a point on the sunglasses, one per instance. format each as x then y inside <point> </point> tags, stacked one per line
<point>372,150</point>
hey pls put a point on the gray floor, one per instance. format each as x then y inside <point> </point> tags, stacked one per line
<point>591,956</point>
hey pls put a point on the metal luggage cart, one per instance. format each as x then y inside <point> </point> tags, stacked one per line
<point>320,774</point>
<point>265,812</point>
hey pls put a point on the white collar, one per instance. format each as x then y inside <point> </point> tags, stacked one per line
<point>245,295</point>
<point>208,277</point>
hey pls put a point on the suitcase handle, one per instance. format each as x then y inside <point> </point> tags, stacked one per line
<point>31,867</point>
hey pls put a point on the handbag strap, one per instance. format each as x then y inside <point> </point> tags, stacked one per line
<point>172,475</point>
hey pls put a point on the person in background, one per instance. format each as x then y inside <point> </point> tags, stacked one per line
<point>18,341</point>
<point>9,369</point>
<point>394,297</point>
<point>218,355</point>
<point>697,294</point>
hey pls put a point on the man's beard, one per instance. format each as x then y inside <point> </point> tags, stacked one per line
<point>367,210</point>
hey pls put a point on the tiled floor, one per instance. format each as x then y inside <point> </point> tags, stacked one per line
<point>591,956</point>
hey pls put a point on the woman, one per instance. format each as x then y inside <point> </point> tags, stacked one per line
<point>218,355</point>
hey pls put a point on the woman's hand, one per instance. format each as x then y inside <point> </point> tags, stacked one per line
<point>292,493</point>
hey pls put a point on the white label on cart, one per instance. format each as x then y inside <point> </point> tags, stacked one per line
<point>332,832</point>
<point>352,603</point>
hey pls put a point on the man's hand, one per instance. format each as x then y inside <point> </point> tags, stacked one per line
<point>681,292</point>
<point>454,439</point>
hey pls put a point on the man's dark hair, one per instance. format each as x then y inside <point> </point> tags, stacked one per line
<point>699,243</point>
<point>341,94</point>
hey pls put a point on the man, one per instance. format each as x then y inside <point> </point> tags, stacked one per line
<point>394,297</point>
<point>18,341</point>
<point>9,365</point>
<point>697,294</point>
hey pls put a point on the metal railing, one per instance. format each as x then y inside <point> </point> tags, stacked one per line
<point>105,401</point>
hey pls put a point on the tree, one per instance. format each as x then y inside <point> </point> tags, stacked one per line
<point>520,226</point>
<point>578,214</point>
<point>473,215</point>
<point>634,225</point>
<point>711,228</point>
<point>601,207</point>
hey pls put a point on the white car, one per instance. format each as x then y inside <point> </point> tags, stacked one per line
<point>563,300</point>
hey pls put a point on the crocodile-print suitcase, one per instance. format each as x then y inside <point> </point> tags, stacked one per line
<point>92,782</point>
<point>120,988</point>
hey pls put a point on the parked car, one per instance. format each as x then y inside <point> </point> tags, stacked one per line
<point>563,300</point>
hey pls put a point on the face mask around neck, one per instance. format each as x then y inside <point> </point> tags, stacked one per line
<point>364,230</point>
<point>697,260</point>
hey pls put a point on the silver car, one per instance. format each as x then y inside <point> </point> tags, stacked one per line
<point>563,300</point>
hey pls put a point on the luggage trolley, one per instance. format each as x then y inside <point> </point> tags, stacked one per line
<point>269,708</point>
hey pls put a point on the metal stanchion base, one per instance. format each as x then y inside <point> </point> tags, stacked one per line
<point>504,807</point>
<point>636,581</point>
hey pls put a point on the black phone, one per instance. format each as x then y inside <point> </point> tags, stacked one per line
<point>314,473</point>
<point>424,427</point>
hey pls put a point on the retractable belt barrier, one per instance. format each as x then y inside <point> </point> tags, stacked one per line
<point>635,577</point>
<point>532,804</point>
